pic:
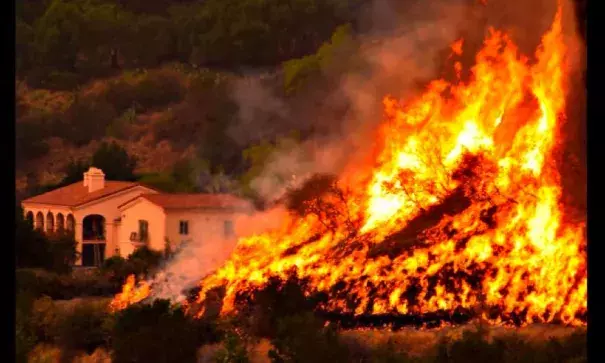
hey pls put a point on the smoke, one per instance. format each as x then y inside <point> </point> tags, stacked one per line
<point>260,111</point>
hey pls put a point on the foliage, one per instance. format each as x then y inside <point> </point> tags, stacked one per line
<point>302,338</point>
<point>144,260</point>
<point>74,171</point>
<point>389,354</point>
<point>84,38</point>
<point>150,90</point>
<point>233,350</point>
<point>30,141</point>
<point>261,311</point>
<point>114,161</point>
<point>181,179</point>
<point>326,61</point>
<point>24,336</point>
<point>84,328</point>
<point>56,252</point>
<point>62,287</point>
<point>173,335</point>
<point>95,112</point>
<point>44,319</point>
<point>474,345</point>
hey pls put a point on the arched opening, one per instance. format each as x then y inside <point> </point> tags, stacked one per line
<point>39,221</point>
<point>93,228</point>
<point>60,222</point>
<point>70,223</point>
<point>93,240</point>
<point>29,217</point>
<point>50,222</point>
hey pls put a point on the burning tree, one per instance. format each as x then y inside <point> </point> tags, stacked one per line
<point>461,208</point>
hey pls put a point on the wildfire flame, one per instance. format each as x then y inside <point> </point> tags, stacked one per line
<point>131,294</point>
<point>475,156</point>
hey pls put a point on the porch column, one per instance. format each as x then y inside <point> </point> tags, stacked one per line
<point>78,237</point>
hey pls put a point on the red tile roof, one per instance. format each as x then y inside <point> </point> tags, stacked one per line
<point>199,200</point>
<point>77,194</point>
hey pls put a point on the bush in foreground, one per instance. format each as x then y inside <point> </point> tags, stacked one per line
<point>85,327</point>
<point>154,333</point>
<point>303,338</point>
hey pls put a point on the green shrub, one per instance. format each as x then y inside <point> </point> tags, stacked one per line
<point>38,250</point>
<point>303,338</point>
<point>261,311</point>
<point>25,338</point>
<point>233,350</point>
<point>388,353</point>
<point>154,89</point>
<point>115,269</point>
<point>61,252</point>
<point>65,287</point>
<point>474,345</point>
<point>86,119</point>
<point>144,260</point>
<point>160,88</point>
<point>84,328</point>
<point>154,333</point>
<point>45,319</point>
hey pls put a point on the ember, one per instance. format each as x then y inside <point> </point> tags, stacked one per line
<point>462,210</point>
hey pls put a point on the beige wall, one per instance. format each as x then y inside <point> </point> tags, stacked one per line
<point>141,209</point>
<point>206,231</point>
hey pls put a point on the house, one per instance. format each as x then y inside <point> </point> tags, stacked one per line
<point>110,218</point>
<point>173,220</point>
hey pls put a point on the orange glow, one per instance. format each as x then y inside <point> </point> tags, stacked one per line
<point>131,294</point>
<point>489,143</point>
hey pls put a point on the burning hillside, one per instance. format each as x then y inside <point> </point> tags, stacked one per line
<point>459,211</point>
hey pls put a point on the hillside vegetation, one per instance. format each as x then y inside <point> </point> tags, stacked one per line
<point>170,81</point>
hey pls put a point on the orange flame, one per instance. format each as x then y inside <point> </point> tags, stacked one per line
<point>484,147</point>
<point>131,294</point>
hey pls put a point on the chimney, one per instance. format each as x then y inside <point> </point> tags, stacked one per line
<point>94,179</point>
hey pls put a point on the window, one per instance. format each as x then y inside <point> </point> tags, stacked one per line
<point>229,232</point>
<point>143,231</point>
<point>184,227</point>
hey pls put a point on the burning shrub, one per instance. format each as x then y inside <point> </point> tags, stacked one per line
<point>320,195</point>
<point>154,333</point>
<point>303,338</point>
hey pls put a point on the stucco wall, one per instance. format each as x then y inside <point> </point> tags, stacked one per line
<point>206,232</point>
<point>141,209</point>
